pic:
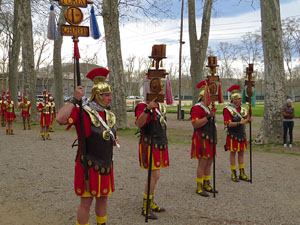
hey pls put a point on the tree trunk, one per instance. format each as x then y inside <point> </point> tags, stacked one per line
<point>110,15</point>
<point>271,129</point>
<point>57,64</point>
<point>198,48</point>
<point>28,55</point>
<point>14,55</point>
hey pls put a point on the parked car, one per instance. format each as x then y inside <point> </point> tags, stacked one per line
<point>39,98</point>
<point>68,98</point>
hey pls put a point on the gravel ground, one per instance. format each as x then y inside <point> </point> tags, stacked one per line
<point>36,185</point>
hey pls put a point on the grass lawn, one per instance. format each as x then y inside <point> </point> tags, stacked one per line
<point>258,110</point>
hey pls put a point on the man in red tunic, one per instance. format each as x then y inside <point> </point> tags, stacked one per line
<point>25,106</point>
<point>52,111</point>
<point>45,107</point>
<point>150,118</point>
<point>2,112</point>
<point>235,118</point>
<point>9,114</point>
<point>99,128</point>
<point>202,142</point>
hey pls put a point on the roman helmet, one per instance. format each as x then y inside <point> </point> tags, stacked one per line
<point>8,95</point>
<point>234,89</point>
<point>50,97</point>
<point>25,97</point>
<point>100,87</point>
<point>204,92</point>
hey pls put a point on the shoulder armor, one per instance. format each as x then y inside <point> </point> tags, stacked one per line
<point>244,112</point>
<point>162,108</point>
<point>110,118</point>
<point>231,111</point>
<point>93,117</point>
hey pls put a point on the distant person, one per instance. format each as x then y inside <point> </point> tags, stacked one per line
<point>100,132</point>
<point>235,119</point>
<point>9,114</point>
<point>45,109</point>
<point>25,106</point>
<point>2,114</point>
<point>203,144</point>
<point>52,112</point>
<point>288,122</point>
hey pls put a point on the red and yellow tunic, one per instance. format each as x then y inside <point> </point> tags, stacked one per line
<point>236,136</point>
<point>160,154</point>
<point>44,108</point>
<point>26,108</point>
<point>1,110</point>
<point>9,111</point>
<point>52,111</point>
<point>202,141</point>
<point>99,185</point>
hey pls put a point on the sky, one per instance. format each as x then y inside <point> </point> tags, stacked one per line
<point>229,22</point>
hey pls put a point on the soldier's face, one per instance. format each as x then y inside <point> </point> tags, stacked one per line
<point>237,101</point>
<point>107,99</point>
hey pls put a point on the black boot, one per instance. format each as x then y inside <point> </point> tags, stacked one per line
<point>155,207</point>
<point>151,215</point>
<point>201,191</point>
<point>243,176</point>
<point>208,187</point>
<point>234,176</point>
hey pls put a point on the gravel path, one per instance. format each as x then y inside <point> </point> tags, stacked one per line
<point>36,184</point>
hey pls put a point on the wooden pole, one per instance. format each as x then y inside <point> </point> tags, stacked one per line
<point>180,56</point>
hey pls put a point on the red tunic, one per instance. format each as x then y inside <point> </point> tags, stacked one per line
<point>9,111</point>
<point>201,147</point>
<point>160,159</point>
<point>99,185</point>
<point>53,111</point>
<point>232,144</point>
<point>45,113</point>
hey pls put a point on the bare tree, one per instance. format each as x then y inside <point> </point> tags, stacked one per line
<point>110,16</point>
<point>227,54</point>
<point>289,51</point>
<point>271,129</point>
<point>14,54</point>
<point>57,63</point>
<point>27,53</point>
<point>251,48</point>
<point>198,48</point>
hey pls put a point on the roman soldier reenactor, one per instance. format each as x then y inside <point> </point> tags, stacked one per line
<point>9,114</point>
<point>45,109</point>
<point>151,119</point>
<point>25,106</point>
<point>52,111</point>
<point>3,110</point>
<point>235,118</point>
<point>202,141</point>
<point>100,137</point>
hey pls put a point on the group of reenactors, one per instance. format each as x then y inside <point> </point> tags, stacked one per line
<point>47,109</point>
<point>94,160</point>
<point>48,114</point>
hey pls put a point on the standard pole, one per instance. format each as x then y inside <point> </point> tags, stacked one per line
<point>214,158</point>
<point>250,136</point>
<point>149,182</point>
<point>83,141</point>
<point>180,56</point>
